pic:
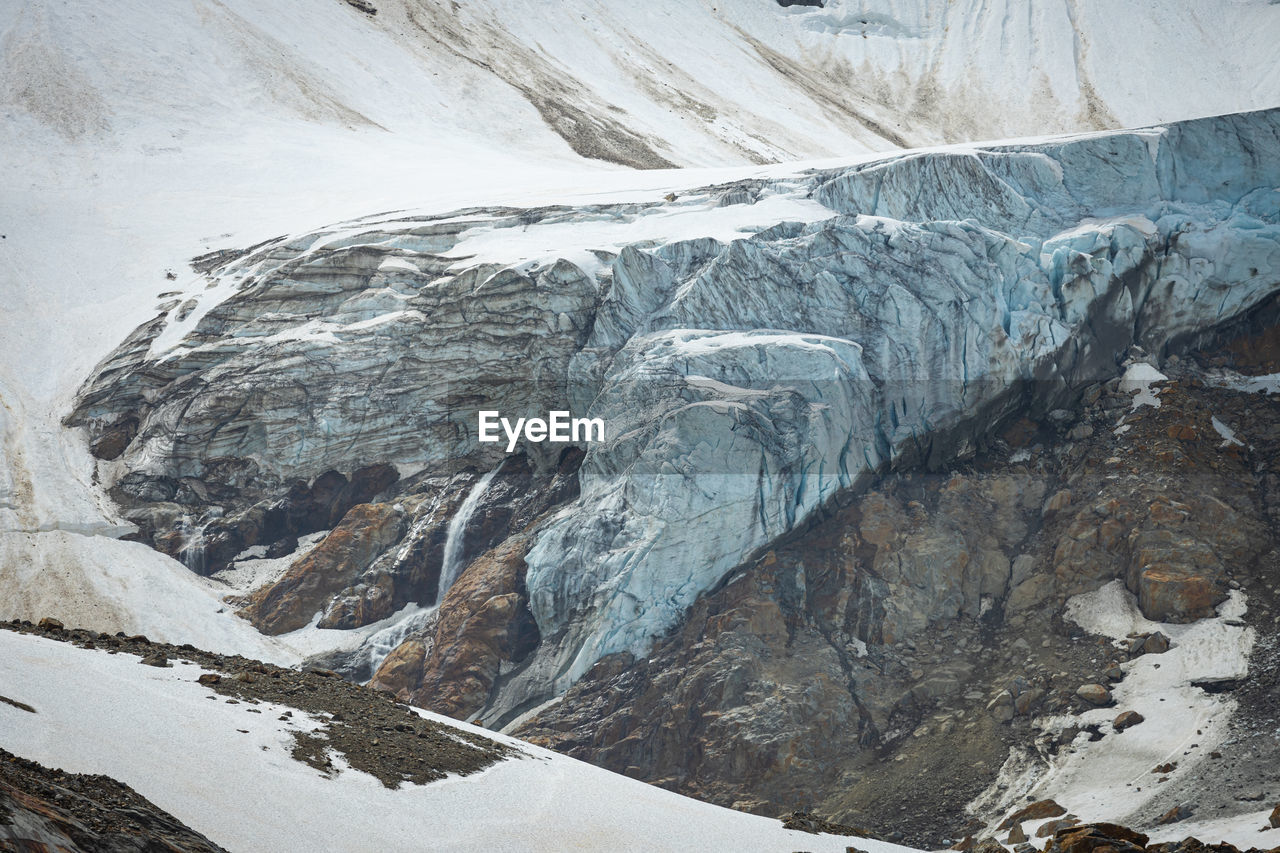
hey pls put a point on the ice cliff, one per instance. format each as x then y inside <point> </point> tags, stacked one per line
<point>754,348</point>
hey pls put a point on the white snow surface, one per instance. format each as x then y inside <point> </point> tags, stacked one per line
<point>1227,433</point>
<point>1138,380</point>
<point>157,731</point>
<point>1268,383</point>
<point>1111,779</point>
<point>1246,831</point>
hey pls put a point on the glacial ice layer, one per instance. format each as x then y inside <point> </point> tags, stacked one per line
<point>883,313</point>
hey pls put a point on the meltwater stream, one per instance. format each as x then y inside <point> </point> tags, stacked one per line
<point>384,642</point>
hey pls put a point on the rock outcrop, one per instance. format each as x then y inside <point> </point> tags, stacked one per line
<point>484,622</point>
<point>43,810</point>
<point>289,603</point>
<point>897,639</point>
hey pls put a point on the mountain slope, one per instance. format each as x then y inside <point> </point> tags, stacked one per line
<point>227,771</point>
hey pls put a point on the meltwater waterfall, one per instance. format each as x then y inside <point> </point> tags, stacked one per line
<point>451,563</point>
<point>192,553</point>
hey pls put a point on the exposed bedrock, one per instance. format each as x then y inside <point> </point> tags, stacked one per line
<point>745,383</point>
<point>383,556</point>
<point>915,632</point>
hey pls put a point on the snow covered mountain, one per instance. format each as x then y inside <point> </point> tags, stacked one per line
<point>263,265</point>
<point>138,140</point>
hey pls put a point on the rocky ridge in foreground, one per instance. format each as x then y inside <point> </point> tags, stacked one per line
<point>43,809</point>
<point>368,729</point>
<point>48,811</point>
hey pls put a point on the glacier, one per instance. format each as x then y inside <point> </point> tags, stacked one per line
<point>754,348</point>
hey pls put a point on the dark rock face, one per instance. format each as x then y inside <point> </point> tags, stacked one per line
<point>288,604</point>
<point>50,811</point>
<point>163,510</point>
<point>385,555</point>
<point>884,640</point>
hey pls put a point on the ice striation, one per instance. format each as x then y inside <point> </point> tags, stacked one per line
<point>755,349</point>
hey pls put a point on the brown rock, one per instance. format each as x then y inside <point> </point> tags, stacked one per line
<point>1127,720</point>
<point>1028,701</point>
<point>1034,811</point>
<point>1058,502</point>
<point>1115,831</point>
<point>1016,835</point>
<point>484,620</point>
<point>1165,768</point>
<point>1155,644</point>
<point>290,602</point>
<point>1182,432</point>
<point>209,678</point>
<point>1031,592</point>
<point>401,671</point>
<point>1101,837</point>
<point>48,623</point>
<point>1053,826</point>
<point>1175,814</point>
<point>1274,820</point>
<point>1169,593</point>
<point>1164,512</point>
<point>1094,694</point>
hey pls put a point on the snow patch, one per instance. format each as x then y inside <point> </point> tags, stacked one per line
<point>1228,434</point>
<point>1111,779</point>
<point>1137,380</point>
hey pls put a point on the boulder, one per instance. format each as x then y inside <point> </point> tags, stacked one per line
<point>1169,593</point>
<point>400,673</point>
<point>1038,810</point>
<point>1053,826</point>
<point>1103,837</point>
<point>1155,644</point>
<point>1126,720</point>
<point>1094,694</point>
<point>1174,815</point>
